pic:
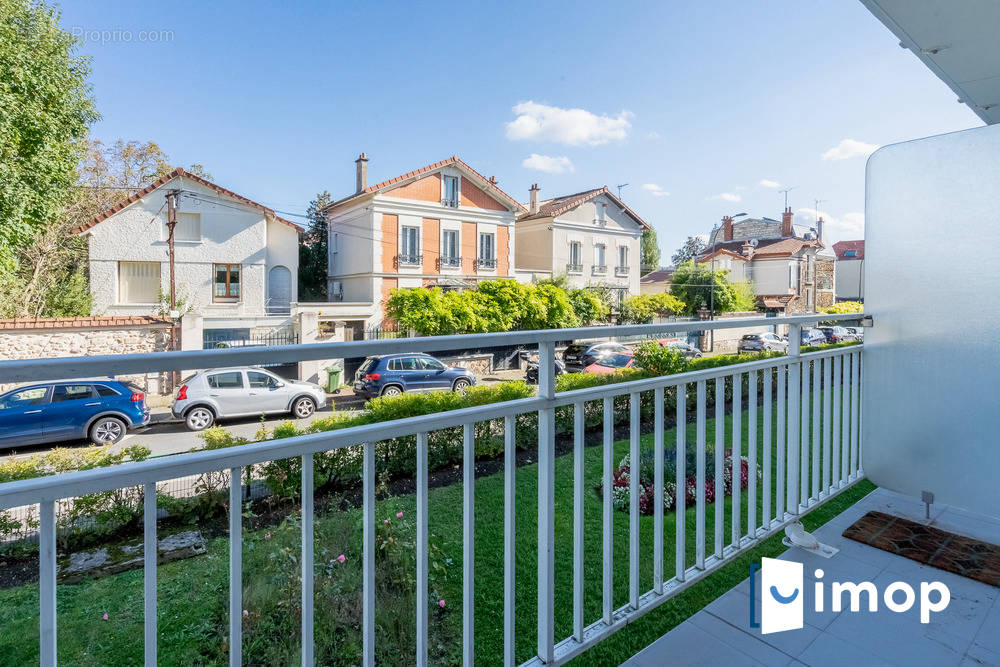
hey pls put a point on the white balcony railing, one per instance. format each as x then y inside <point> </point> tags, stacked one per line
<point>808,402</point>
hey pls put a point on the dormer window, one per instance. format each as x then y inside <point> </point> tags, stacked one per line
<point>450,194</point>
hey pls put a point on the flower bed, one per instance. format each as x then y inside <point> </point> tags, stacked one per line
<point>622,478</point>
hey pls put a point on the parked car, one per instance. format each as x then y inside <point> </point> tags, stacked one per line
<point>531,373</point>
<point>611,363</point>
<point>763,342</point>
<point>813,337</point>
<point>687,349</point>
<point>102,411</point>
<point>578,356</point>
<point>836,334</point>
<point>395,374</point>
<point>223,393</point>
<point>855,333</point>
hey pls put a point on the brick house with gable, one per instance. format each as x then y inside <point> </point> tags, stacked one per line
<point>443,225</point>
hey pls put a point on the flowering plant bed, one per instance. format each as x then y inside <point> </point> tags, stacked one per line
<point>622,477</point>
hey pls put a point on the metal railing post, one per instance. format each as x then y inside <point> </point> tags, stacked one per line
<point>546,503</point>
<point>792,430</point>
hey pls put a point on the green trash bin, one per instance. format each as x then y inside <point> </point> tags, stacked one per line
<point>333,379</point>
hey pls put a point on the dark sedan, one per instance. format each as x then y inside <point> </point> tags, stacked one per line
<point>578,356</point>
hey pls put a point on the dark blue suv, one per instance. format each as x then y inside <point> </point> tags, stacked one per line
<point>99,410</point>
<point>394,374</point>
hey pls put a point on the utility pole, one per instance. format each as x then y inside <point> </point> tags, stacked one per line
<point>171,225</point>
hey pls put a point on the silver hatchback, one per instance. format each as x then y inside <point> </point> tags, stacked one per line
<point>243,392</point>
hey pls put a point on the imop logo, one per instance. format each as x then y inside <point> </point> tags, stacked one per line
<point>782,592</point>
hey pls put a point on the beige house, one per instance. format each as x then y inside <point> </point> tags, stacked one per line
<point>791,269</point>
<point>591,236</point>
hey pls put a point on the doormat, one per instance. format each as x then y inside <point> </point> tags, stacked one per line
<point>965,556</point>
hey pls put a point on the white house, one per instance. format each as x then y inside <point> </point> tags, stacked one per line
<point>591,236</point>
<point>790,268</point>
<point>850,270</point>
<point>235,260</point>
<point>442,225</point>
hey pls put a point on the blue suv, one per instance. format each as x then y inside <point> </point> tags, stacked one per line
<point>99,410</point>
<point>394,374</point>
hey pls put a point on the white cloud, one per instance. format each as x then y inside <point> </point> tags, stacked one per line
<point>550,165</point>
<point>848,226</point>
<point>655,190</point>
<point>848,148</point>
<point>768,183</point>
<point>573,127</point>
<point>727,196</point>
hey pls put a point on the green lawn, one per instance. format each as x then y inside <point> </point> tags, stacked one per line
<point>193,594</point>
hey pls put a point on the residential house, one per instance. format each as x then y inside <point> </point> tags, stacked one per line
<point>850,270</point>
<point>656,282</point>
<point>235,261</point>
<point>590,236</point>
<point>441,225</point>
<point>790,268</point>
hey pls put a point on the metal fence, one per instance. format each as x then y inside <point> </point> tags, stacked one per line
<point>816,444</point>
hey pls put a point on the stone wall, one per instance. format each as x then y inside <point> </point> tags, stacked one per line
<point>88,336</point>
<point>727,341</point>
<point>825,283</point>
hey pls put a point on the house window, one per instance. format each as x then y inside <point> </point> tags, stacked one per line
<point>450,191</point>
<point>793,276</point>
<point>188,227</point>
<point>449,248</point>
<point>227,282</point>
<point>602,210</point>
<point>575,257</point>
<point>138,282</point>
<point>850,253</point>
<point>622,256</point>
<point>487,251</point>
<point>600,255</point>
<point>409,251</point>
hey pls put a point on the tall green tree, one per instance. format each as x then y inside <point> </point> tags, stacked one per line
<point>313,249</point>
<point>698,286</point>
<point>46,107</point>
<point>692,248</point>
<point>650,251</point>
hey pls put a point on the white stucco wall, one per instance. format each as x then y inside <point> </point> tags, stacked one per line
<point>849,278</point>
<point>770,276</point>
<point>231,233</point>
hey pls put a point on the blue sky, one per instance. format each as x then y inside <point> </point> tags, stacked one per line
<point>702,108</point>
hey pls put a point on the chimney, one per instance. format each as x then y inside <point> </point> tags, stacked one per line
<point>727,228</point>
<point>493,180</point>
<point>786,223</point>
<point>362,179</point>
<point>748,249</point>
<point>819,229</point>
<point>533,199</point>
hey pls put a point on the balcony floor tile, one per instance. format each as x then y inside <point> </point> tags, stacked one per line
<point>967,632</point>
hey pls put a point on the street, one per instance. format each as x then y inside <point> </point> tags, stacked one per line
<point>164,436</point>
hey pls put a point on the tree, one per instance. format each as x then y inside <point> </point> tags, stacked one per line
<point>313,252</point>
<point>588,306</point>
<point>642,308</point>
<point>698,286</point>
<point>650,251</point>
<point>691,250</point>
<point>46,107</point>
<point>845,307</point>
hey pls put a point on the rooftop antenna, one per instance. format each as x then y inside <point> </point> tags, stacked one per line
<point>816,207</point>
<point>786,191</point>
<point>620,186</point>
